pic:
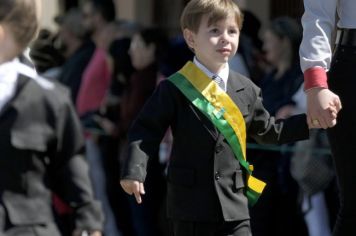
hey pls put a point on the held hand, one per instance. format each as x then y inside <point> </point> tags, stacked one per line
<point>95,233</point>
<point>79,232</point>
<point>285,112</point>
<point>133,187</point>
<point>323,106</point>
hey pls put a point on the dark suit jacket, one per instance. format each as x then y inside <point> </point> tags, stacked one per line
<point>41,151</point>
<point>205,181</point>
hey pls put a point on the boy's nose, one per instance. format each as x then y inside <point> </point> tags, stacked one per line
<point>224,38</point>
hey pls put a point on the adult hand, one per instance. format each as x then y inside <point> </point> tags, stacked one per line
<point>323,106</point>
<point>133,187</point>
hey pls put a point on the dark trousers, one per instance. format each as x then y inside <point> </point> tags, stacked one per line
<point>342,137</point>
<point>189,228</point>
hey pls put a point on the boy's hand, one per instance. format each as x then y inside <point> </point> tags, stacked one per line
<point>323,106</point>
<point>133,187</point>
<point>79,232</point>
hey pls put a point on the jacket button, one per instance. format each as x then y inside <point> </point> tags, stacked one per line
<point>217,175</point>
<point>218,148</point>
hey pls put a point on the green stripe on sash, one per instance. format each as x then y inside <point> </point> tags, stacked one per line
<point>214,103</point>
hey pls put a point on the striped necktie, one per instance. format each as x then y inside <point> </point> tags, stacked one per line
<point>219,81</point>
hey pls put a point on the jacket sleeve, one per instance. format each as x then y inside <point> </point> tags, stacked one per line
<point>147,131</point>
<point>265,129</point>
<point>71,173</point>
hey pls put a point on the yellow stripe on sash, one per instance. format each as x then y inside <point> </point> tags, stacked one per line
<point>219,99</point>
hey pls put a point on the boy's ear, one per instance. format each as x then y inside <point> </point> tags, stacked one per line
<point>189,37</point>
<point>1,32</point>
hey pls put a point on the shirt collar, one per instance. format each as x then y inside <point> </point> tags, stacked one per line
<point>8,82</point>
<point>223,74</point>
<point>8,73</point>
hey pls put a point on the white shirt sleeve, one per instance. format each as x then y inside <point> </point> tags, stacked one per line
<point>318,22</point>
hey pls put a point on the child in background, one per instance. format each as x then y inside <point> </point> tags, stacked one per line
<point>41,143</point>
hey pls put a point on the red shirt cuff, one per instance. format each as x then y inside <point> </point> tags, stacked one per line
<point>315,77</point>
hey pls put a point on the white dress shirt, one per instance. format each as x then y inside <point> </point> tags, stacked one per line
<point>8,81</point>
<point>223,74</point>
<point>9,72</point>
<point>319,22</point>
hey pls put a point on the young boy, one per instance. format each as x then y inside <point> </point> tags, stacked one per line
<point>210,110</point>
<point>41,142</point>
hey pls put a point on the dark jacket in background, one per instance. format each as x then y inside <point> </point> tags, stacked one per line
<point>41,149</point>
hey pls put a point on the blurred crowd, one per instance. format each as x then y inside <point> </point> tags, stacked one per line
<point>112,66</point>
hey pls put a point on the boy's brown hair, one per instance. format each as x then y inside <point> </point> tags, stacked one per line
<point>21,17</point>
<point>216,10</point>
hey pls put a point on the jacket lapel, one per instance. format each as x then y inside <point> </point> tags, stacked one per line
<point>234,88</point>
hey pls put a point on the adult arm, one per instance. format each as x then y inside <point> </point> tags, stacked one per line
<point>318,22</point>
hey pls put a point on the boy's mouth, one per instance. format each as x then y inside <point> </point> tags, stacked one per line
<point>224,51</point>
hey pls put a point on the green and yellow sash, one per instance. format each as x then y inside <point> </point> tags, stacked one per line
<point>215,104</point>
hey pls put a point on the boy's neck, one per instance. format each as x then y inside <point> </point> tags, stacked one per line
<point>6,58</point>
<point>223,73</point>
<point>8,47</point>
<point>213,69</point>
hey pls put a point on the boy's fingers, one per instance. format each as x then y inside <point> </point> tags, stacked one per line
<point>142,189</point>
<point>135,189</point>
<point>138,197</point>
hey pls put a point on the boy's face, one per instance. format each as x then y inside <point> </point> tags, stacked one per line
<point>214,44</point>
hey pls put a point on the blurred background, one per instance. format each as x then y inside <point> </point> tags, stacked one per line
<point>166,13</point>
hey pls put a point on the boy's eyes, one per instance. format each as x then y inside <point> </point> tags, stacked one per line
<point>216,31</point>
<point>233,31</point>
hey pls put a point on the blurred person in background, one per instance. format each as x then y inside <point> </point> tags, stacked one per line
<point>313,169</point>
<point>98,16</point>
<point>249,54</point>
<point>41,141</point>
<point>120,60</point>
<point>47,59</point>
<point>76,46</point>
<point>116,41</point>
<point>278,212</point>
<point>146,51</point>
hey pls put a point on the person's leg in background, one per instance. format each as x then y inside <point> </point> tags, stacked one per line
<point>316,215</point>
<point>98,178</point>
